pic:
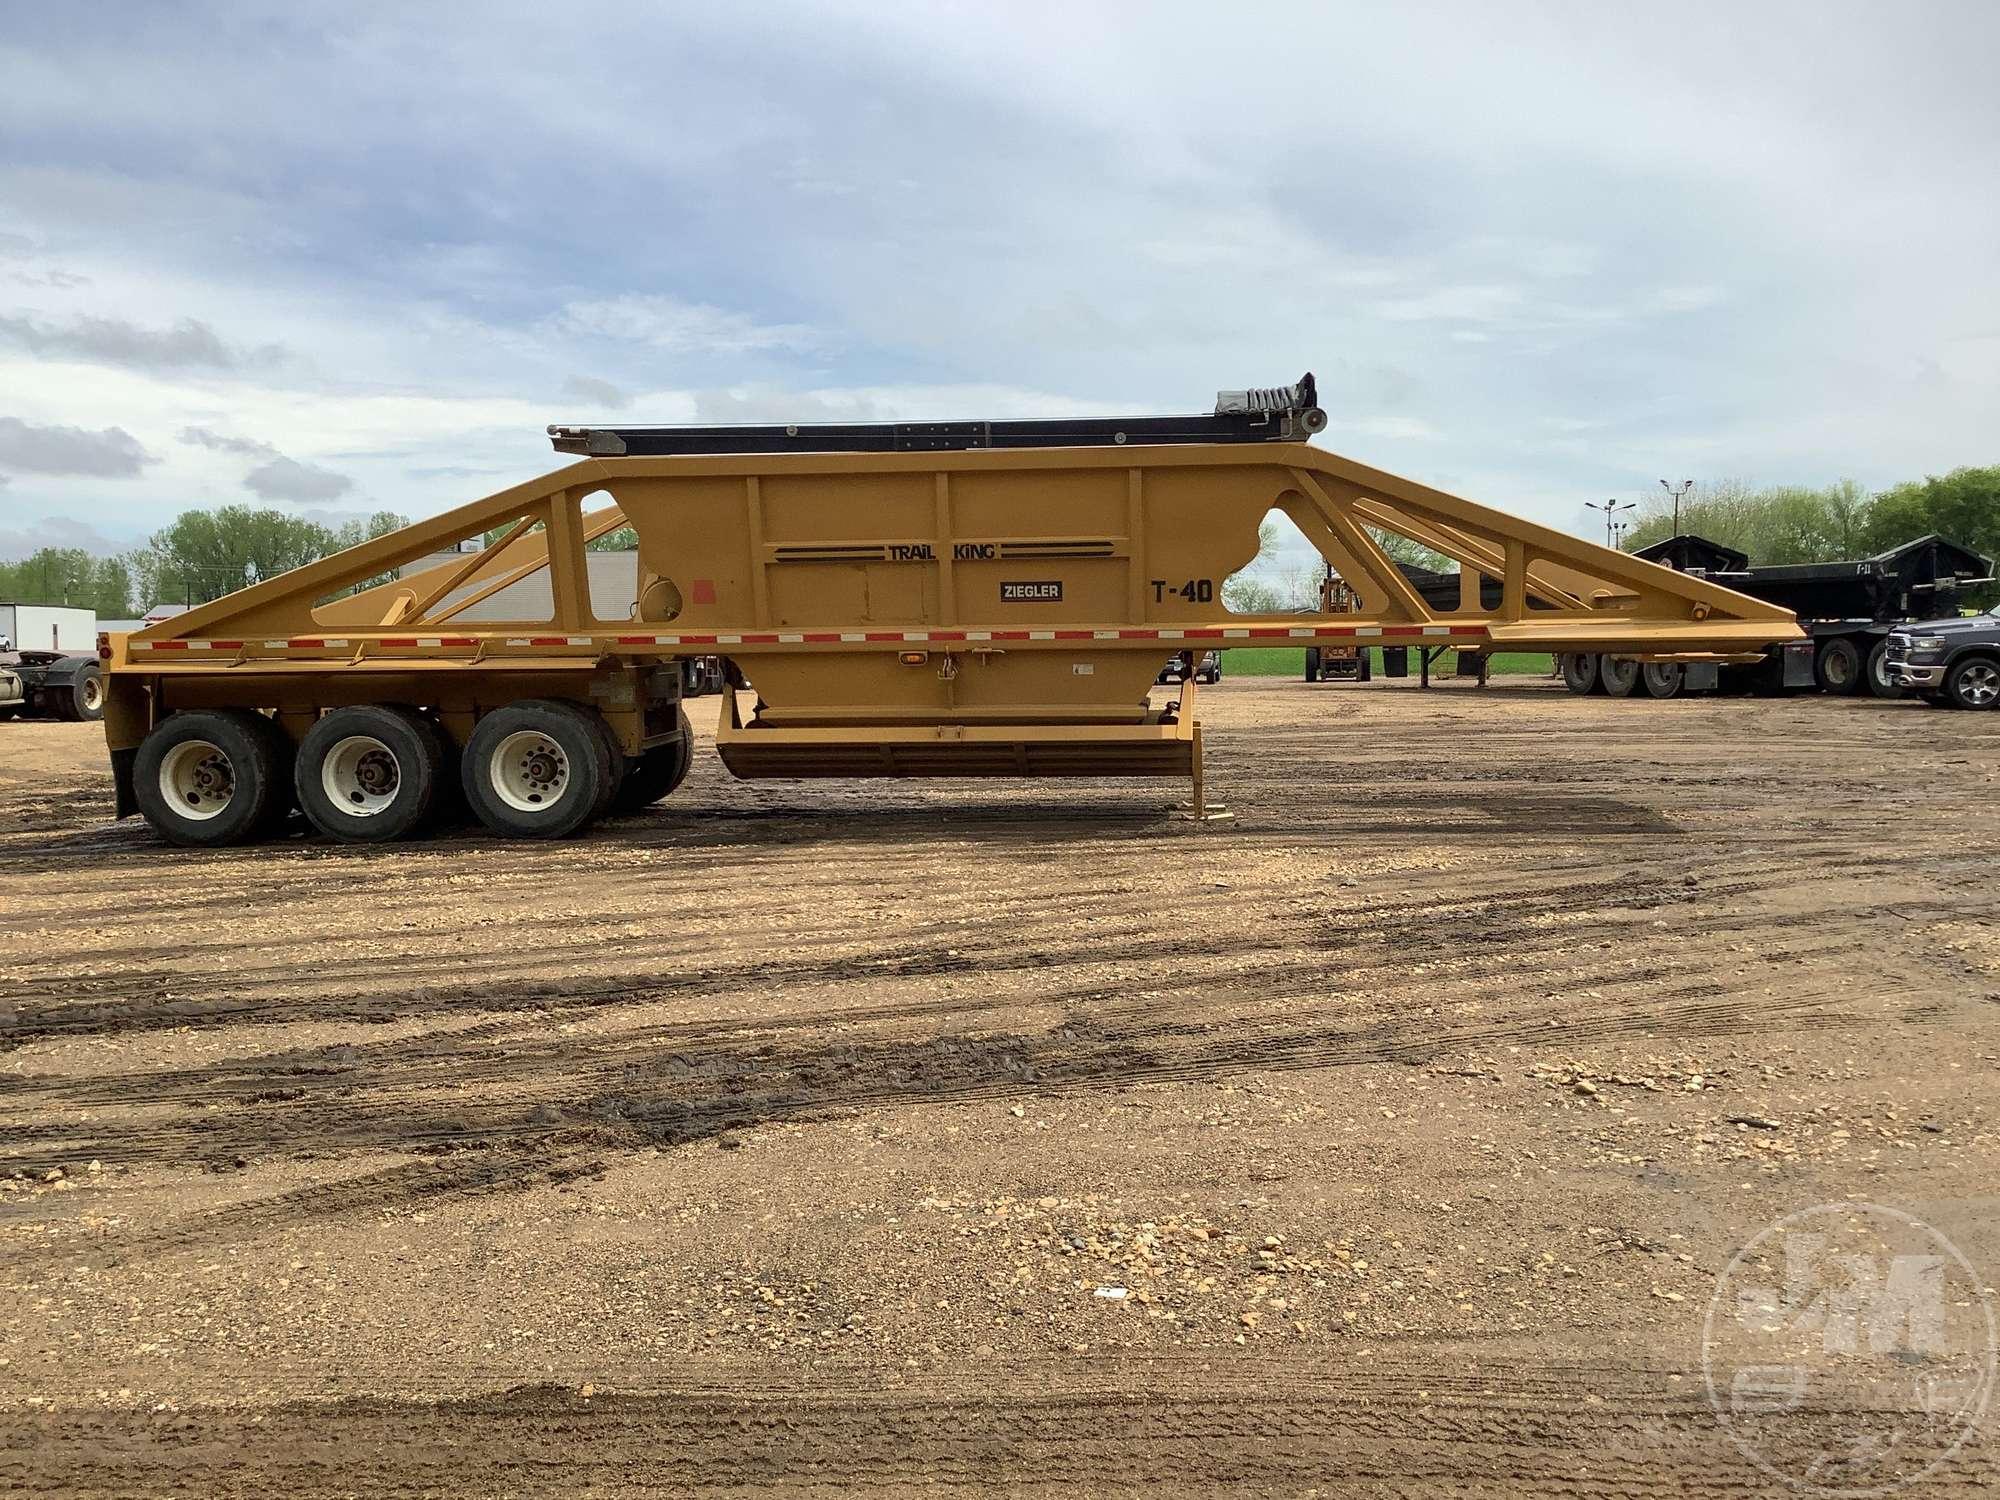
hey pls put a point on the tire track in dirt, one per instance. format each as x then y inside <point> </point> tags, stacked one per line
<point>676,1099</point>
<point>139,1000</point>
<point>1413,1431</point>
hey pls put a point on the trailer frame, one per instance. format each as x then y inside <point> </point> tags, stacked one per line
<point>293,647</point>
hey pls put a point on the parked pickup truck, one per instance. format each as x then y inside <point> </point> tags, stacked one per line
<point>1209,669</point>
<point>1954,662</point>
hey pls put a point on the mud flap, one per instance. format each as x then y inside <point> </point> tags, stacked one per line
<point>121,778</point>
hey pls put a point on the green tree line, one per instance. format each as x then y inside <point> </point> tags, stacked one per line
<point>201,555</point>
<point>1797,524</point>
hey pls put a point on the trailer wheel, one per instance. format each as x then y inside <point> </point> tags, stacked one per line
<point>1619,675</point>
<point>1878,672</point>
<point>82,698</point>
<point>1312,664</point>
<point>535,769</point>
<point>1974,683</point>
<point>207,778</point>
<point>369,774</point>
<point>656,774</point>
<point>1837,667</point>
<point>1662,679</point>
<point>1580,672</point>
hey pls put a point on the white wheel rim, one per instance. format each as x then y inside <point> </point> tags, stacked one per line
<point>197,781</point>
<point>93,692</point>
<point>360,775</point>
<point>529,771</point>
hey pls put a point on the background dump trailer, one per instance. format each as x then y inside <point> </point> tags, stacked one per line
<point>912,599</point>
<point>1848,610</point>
<point>48,662</point>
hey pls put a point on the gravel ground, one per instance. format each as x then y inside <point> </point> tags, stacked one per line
<point>1387,1137</point>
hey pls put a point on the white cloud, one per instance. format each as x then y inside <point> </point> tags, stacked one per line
<point>672,324</point>
<point>188,344</point>
<point>288,479</point>
<point>1470,304</point>
<point>597,392</point>
<point>109,453</point>
<point>219,442</point>
<point>24,538</point>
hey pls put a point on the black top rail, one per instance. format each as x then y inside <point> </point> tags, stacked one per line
<point>1286,413</point>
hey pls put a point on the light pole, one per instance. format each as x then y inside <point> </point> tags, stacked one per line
<point>1611,525</point>
<point>1685,486</point>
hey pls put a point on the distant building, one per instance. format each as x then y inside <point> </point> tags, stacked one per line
<point>614,589</point>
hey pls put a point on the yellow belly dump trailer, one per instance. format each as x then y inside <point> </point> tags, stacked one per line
<point>919,599</point>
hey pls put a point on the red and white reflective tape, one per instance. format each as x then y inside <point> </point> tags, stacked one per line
<point>854,637</point>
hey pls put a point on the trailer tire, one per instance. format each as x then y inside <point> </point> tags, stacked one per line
<point>1974,683</point>
<point>207,778</point>
<point>1580,674</point>
<point>656,774</point>
<point>1837,666</point>
<point>535,769</point>
<point>448,807</point>
<point>616,762</point>
<point>1878,671</point>
<point>370,773</point>
<point>86,694</point>
<point>1364,665</point>
<point>1312,664</point>
<point>84,702</point>
<point>1662,679</point>
<point>1619,675</point>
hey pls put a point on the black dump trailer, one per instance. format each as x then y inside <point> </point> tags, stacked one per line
<point>1848,608</point>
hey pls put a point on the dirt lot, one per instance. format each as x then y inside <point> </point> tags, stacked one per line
<point>1389,1137</point>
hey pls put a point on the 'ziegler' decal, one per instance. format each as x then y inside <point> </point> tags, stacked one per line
<point>1031,593</point>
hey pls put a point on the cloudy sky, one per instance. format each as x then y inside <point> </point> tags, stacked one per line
<point>345,257</point>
